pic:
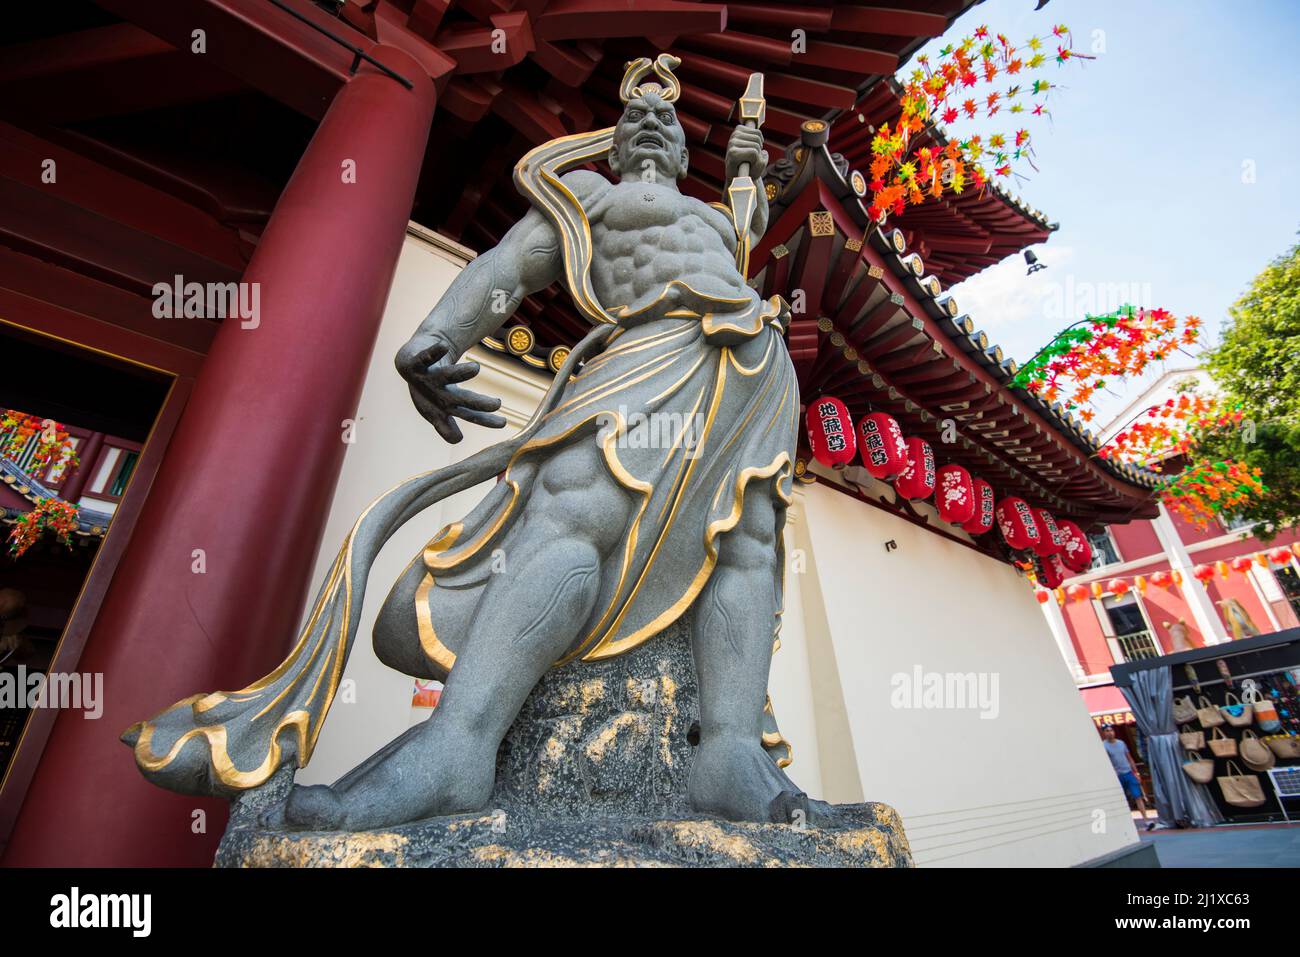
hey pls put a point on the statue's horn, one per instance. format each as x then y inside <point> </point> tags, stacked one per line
<point>665,63</point>
<point>637,70</point>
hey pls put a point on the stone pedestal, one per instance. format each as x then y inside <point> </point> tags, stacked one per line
<point>592,773</point>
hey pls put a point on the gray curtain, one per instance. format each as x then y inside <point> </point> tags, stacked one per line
<point>1178,797</point>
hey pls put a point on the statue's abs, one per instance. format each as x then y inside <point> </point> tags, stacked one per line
<point>645,236</point>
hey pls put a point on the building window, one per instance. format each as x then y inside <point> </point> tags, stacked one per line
<point>118,486</point>
<point>1290,582</point>
<point>1137,646</point>
<point>1234,523</point>
<point>112,472</point>
<point>1133,639</point>
<point>1103,549</point>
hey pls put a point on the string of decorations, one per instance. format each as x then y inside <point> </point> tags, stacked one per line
<point>1203,573</point>
<point>1165,430</point>
<point>943,88</point>
<point>1207,489</point>
<point>51,516</point>
<point>53,443</point>
<point>1085,356</point>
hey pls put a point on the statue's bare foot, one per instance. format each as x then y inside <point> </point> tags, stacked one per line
<point>737,780</point>
<point>409,780</point>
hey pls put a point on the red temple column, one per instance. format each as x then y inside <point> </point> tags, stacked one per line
<point>247,478</point>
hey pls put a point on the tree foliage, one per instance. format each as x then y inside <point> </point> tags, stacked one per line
<point>1257,363</point>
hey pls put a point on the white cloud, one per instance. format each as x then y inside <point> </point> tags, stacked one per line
<point>1010,305</point>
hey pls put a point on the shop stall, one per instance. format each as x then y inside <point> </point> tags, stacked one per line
<point>1216,721</point>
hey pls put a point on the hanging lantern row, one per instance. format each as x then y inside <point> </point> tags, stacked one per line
<point>1049,580</point>
<point>966,501</point>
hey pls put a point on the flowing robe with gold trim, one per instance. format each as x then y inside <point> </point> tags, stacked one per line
<point>688,428</point>
<point>708,381</point>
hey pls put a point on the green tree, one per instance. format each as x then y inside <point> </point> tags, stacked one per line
<point>1257,363</point>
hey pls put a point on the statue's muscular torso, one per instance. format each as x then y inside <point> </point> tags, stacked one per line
<point>645,235</point>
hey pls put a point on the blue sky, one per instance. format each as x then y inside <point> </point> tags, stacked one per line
<point>1147,161</point>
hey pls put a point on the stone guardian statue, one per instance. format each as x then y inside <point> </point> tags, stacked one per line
<point>606,541</point>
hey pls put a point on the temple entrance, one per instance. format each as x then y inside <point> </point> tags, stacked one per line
<point>73,425</point>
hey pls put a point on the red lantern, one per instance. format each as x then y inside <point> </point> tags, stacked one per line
<point>917,480</point>
<point>1052,541</point>
<point>1077,592</point>
<point>884,453</point>
<point>1117,586</point>
<point>1049,570</point>
<point>1203,573</point>
<point>1076,552</point>
<point>1017,523</point>
<point>1162,579</point>
<point>1241,563</point>
<point>982,520</point>
<point>1280,556</point>
<point>1042,595</point>
<point>954,494</point>
<point>830,432</point>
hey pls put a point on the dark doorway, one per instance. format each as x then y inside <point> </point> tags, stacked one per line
<point>73,422</point>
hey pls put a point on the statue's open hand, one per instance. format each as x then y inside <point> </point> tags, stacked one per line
<point>431,369</point>
<point>746,146</point>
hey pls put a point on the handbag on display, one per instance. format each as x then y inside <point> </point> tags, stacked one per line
<point>1255,753</point>
<point>1235,713</point>
<point>1222,745</point>
<point>1285,746</point>
<point>1240,790</point>
<point>1266,716</point>
<point>1184,710</point>
<point>1191,740</point>
<point>1199,769</point>
<point>1207,713</point>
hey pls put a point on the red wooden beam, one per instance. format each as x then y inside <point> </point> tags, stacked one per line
<point>903,23</point>
<point>577,19</point>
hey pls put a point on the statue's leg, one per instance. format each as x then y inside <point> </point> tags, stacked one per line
<point>735,620</point>
<point>528,616</point>
<point>396,634</point>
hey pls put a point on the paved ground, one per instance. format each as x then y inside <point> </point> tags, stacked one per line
<point>1265,845</point>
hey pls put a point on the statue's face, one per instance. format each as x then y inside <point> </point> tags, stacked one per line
<point>649,143</point>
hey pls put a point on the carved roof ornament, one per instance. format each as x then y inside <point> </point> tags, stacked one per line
<point>662,66</point>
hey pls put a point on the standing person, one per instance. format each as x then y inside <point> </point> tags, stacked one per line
<point>1126,768</point>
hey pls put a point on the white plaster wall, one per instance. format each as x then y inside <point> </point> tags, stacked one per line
<point>1029,787</point>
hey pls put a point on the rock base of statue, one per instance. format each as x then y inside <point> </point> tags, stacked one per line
<point>592,773</point>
